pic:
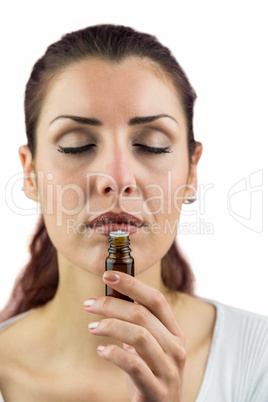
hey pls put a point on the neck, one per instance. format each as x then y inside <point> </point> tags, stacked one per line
<point>65,312</point>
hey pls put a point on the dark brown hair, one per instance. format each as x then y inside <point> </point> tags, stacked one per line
<point>38,281</point>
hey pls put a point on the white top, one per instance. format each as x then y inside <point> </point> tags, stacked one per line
<point>237,368</point>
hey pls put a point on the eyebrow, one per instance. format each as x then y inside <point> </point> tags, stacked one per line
<point>148,119</point>
<point>83,120</point>
<point>94,122</point>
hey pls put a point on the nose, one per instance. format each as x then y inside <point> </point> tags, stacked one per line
<point>117,175</point>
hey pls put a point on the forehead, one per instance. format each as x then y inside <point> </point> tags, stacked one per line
<point>100,88</point>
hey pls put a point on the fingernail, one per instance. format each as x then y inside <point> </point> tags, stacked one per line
<point>101,348</point>
<point>89,302</point>
<point>93,325</point>
<point>111,276</point>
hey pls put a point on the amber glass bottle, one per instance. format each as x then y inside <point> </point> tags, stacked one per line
<point>119,259</point>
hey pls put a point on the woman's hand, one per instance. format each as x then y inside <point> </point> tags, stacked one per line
<point>153,354</point>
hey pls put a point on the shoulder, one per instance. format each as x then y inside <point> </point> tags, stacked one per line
<point>12,332</point>
<point>7,323</point>
<point>247,329</point>
<point>240,351</point>
<point>242,325</point>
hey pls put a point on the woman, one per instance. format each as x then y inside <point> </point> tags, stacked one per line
<point>110,146</point>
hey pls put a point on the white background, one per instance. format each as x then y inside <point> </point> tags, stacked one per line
<point>222,45</point>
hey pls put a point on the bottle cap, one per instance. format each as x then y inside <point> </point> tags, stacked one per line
<point>119,233</point>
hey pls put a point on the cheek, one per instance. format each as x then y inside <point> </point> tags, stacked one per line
<point>164,194</point>
<point>61,196</point>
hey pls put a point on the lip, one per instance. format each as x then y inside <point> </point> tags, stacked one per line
<point>111,221</point>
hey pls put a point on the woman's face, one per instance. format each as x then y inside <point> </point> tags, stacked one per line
<point>112,154</point>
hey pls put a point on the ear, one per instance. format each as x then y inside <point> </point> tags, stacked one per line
<point>192,177</point>
<point>30,182</point>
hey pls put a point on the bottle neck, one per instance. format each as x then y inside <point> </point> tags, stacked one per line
<point>119,245</point>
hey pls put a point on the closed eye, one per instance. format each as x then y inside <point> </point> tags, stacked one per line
<point>75,150</point>
<point>154,150</point>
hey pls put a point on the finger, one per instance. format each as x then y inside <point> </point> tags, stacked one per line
<point>143,378</point>
<point>145,295</point>
<point>137,314</point>
<point>140,338</point>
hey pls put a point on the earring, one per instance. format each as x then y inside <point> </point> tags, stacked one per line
<point>190,199</point>
<point>25,178</point>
